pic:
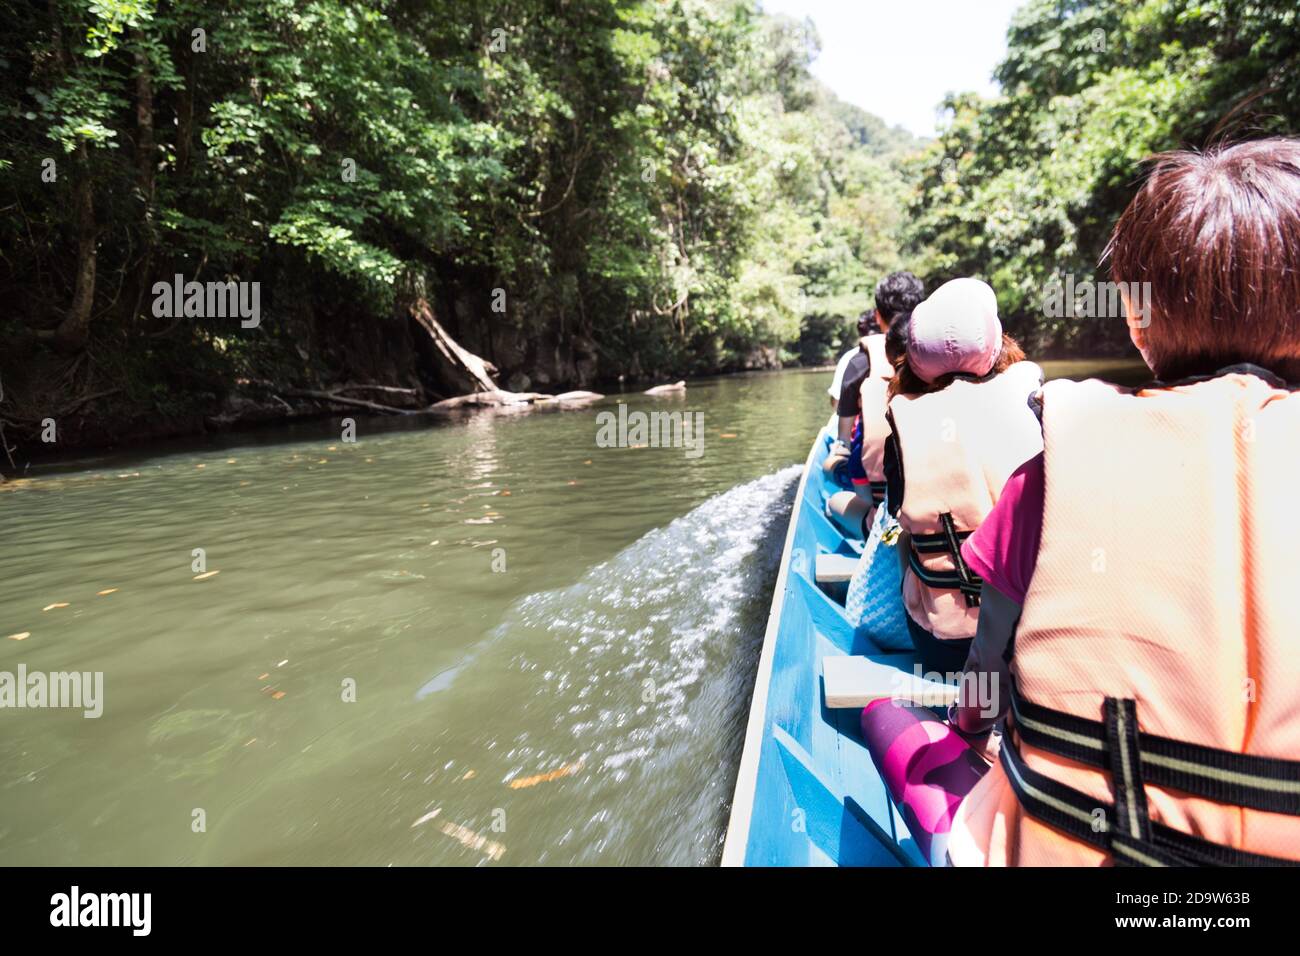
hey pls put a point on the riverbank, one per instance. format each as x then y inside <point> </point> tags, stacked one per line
<point>124,419</point>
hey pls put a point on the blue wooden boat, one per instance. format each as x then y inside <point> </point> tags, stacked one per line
<point>808,793</point>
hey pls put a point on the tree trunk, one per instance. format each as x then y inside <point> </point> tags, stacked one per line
<point>146,164</point>
<point>185,111</point>
<point>461,369</point>
<point>144,141</point>
<point>72,331</point>
<point>75,327</point>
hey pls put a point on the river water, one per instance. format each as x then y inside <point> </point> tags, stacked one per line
<point>489,641</point>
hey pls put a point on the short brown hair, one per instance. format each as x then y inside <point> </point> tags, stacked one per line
<point>907,382</point>
<point>1217,236</point>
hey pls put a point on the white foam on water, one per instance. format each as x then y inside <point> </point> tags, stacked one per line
<point>662,642</point>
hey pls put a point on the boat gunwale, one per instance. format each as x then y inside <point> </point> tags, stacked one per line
<point>742,801</point>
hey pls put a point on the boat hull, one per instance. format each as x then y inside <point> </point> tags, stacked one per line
<point>807,793</point>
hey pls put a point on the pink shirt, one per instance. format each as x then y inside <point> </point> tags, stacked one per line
<point>1004,548</point>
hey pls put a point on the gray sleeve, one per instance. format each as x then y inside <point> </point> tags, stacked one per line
<point>985,687</point>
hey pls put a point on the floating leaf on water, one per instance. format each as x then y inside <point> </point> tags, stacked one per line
<point>51,607</point>
<point>469,775</point>
<point>20,636</point>
<point>200,466</point>
<point>283,662</point>
<point>251,742</point>
<point>726,434</point>
<point>587,462</point>
<point>573,482</point>
<point>474,841</point>
<point>277,695</point>
<point>568,770</point>
<point>426,818</point>
<point>264,676</point>
<point>504,493</point>
<point>205,575</point>
<point>106,591</point>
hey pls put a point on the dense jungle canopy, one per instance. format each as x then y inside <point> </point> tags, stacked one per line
<point>580,189</point>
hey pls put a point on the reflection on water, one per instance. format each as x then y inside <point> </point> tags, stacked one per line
<point>482,641</point>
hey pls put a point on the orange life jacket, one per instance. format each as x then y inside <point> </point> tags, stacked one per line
<point>1157,657</point>
<point>873,394</point>
<point>958,446</point>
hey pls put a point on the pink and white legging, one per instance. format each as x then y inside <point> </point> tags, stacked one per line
<point>927,766</point>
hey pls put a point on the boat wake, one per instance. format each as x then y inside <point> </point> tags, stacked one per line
<point>663,642</point>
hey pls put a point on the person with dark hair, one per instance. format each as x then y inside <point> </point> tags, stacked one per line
<point>865,378</point>
<point>896,294</point>
<point>896,339</point>
<point>862,468</point>
<point>1137,622</point>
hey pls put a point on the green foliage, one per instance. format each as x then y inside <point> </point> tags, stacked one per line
<point>1022,188</point>
<point>664,180</point>
<point>657,187</point>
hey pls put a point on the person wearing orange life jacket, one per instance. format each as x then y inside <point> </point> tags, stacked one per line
<point>1139,574</point>
<point>867,358</point>
<point>864,402</point>
<point>857,455</point>
<point>863,466</point>
<point>960,425</point>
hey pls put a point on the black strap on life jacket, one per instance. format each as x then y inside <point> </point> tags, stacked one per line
<point>878,489</point>
<point>1257,783</point>
<point>948,541</point>
<point>1134,759</point>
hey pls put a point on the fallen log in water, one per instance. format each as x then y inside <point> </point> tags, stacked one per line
<point>500,397</point>
<point>390,389</point>
<point>487,399</point>
<point>358,402</point>
<point>463,369</point>
<point>679,386</point>
<point>578,396</point>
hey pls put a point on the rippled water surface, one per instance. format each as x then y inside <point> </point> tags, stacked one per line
<point>552,644</point>
<point>584,704</point>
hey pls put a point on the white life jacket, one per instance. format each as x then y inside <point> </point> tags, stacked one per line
<point>1156,717</point>
<point>958,446</point>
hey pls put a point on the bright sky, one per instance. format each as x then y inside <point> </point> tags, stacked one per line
<point>897,58</point>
